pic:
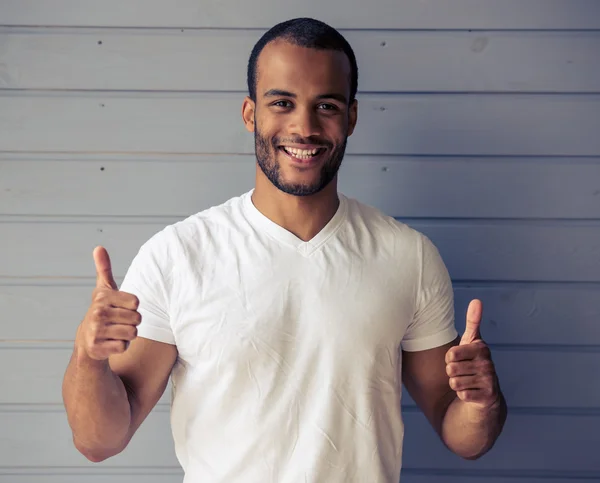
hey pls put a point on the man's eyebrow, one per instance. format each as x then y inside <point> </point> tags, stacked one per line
<point>281,93</point>
<point>336,97</point>
<point>278,93</point>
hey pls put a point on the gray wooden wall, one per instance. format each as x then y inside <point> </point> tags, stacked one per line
<point>479,124</point>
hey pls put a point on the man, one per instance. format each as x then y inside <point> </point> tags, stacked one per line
<point>288,317</point>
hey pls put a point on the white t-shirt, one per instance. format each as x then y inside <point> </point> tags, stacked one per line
<point>289,366</point>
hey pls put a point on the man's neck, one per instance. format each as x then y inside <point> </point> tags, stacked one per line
<point>304,216</point>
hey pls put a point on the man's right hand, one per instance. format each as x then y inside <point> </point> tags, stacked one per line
<point>112,319</point>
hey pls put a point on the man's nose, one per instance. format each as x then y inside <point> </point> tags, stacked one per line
<point>305,123</point>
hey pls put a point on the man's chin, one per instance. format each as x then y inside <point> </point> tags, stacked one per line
<point>290,180</point>
<point>298,189</point>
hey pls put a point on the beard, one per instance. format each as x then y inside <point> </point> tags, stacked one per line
<point>266,156</point>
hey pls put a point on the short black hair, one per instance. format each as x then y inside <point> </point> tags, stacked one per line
<point>304,32</point>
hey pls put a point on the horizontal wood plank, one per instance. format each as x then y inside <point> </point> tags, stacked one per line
<point>40,375</point>
<point>551,443</point>
<point>388,124</point>
<point>68,243</point>
<point>30,447</point>
<point>541,379</point>
<point>405,187</point>
<point>388,14</point>
<point>216,60</point>
<point>517,251</point>
<point>530,315</point>
<point>513,314</point>
<point>474,251</point>
<point>528,442</point>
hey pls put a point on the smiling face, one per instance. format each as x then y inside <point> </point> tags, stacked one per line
<point>302,116</point>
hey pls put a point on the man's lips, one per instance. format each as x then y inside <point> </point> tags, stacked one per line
<point>304,156</point>
<point>304,153</point>
<point>302,146</point>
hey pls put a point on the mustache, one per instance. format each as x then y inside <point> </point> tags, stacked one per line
<point>277,141</point>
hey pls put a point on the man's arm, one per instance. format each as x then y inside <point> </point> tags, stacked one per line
<point>107,401</point>
<point>114,379</point>
<point>457,389</point>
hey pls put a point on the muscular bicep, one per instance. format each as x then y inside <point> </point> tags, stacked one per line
<point>425,378</point>
<point>144,368</point>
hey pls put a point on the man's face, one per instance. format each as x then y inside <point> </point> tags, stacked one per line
<point>302,117</point>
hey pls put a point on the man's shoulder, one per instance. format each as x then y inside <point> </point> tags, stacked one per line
<point>229,211</point>
<point>380,223</point>
<point>197,229</point>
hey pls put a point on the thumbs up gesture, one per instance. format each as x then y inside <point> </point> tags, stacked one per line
<point>112,318</point>
<point>469,364</point>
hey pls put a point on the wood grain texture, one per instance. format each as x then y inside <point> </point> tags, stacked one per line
<point>405,187</point>
<point>530,442</point>
<point>29,447</point>
<point>538,378</point>
<point>472,250</point>
<point>442,124</point>
<point>525,314</point>
<point>216,60</point>
<point>478,125</point>
<point>534,314</point>
<point>384,14</point>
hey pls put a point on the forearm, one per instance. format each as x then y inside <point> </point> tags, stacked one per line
<point>469,432</point>
<point>97,406</point>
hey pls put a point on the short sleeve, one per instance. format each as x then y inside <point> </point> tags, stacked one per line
<point>433,322</point>
<point>148,278</point>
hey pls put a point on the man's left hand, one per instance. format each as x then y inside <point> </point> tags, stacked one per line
<point>469,365</point>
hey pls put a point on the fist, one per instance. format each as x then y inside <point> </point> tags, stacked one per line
<point>112,318</point>
<point>469,364</point>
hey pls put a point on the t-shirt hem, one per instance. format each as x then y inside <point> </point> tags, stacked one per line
<point>156,333</point>
<point>430,342</point>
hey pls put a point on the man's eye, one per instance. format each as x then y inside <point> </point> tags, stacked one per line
<point>282,103</point>
<point>327,107</point>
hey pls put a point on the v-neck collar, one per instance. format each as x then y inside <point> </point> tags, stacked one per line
<point>288,238</point>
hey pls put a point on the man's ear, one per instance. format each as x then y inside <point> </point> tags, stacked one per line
<point>248,110</point>
<point>353,117</point>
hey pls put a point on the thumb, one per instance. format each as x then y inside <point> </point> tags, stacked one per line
<point>104,276</point>
<point>473,323</point>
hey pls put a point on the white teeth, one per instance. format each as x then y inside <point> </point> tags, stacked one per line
<point>302,153</point>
